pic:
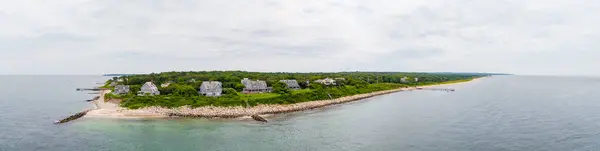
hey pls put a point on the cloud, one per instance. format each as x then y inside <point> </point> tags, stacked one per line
<point>142,36</point>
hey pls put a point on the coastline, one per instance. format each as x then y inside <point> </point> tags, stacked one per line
<point>112,110</point>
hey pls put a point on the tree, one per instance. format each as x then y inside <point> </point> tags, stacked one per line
<point>303,84</point>
<point>228,91</point>
<point>167,90</point>
<point>357,82</point>
<point>134,88</point>
<point>239,87</point>
<point>185,90</point>
<point>316,86</point>
<point>280,88</point>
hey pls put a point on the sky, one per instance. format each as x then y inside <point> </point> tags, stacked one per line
<point>529,37</point>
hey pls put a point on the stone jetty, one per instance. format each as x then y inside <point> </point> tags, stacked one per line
<point>93,99</point>
<point>72,117</point>
<point>438,89</point>
<point>258,118</point>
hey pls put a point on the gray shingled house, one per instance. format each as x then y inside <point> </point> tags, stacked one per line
<point>211,88</point>
<point>257,86</point>
<point>149,89</point>
<point>121,89</point>
<point>291,84</point>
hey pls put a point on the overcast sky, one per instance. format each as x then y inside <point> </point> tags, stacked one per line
<point>535,37</point>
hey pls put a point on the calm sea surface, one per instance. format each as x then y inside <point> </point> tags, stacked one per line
<point>500,113</point>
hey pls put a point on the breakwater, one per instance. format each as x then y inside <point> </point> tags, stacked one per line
<point>438,89</point>
<point>72,117</point>
<point>90,89</point>
<point>93,99</point>
<point>258,118</point>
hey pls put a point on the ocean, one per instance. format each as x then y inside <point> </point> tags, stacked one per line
<point>500,113</point>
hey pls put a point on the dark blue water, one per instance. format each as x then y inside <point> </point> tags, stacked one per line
<point>499,113</point>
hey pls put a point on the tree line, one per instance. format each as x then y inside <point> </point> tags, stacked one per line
<point>231,79</point>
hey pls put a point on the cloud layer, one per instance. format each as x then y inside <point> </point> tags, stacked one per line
<point>550,37</point>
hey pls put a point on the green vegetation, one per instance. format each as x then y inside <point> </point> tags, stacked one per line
<point>183,90</point>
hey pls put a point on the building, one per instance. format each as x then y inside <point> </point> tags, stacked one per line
<point>342,79</point>
<point>326,81</point>
<point>291,84</point>
<point>404,79</point>
<point>211,88</point>
<point>121,89</point>
<point>416,79</point>
<point>257,86</point>
<point>149,89</point>
<point>165,84</point>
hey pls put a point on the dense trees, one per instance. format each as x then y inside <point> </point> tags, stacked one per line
<point>280,88</point>
<point>185,90</point>
<point>231,79</point>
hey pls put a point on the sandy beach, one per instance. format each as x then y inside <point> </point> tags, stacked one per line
<point>112,110</point>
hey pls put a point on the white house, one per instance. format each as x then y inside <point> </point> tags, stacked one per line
<point>165,84</point>
<point>404,79</point>
<point>326,81</point>
<point>149,89</point>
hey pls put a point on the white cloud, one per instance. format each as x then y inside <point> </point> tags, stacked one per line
<point>141,36</point>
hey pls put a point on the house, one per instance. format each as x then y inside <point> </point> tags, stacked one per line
<point>326,81</point>
<point>211,88</point>
<point>257,86</point>
<point>165,84</point>
<point>121,89</point>
<point>291,84</point>
<point>149,89</point>
<point>404,79</point>
<point>342,79</point>
<point>416,79</point>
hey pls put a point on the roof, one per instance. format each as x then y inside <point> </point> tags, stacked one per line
<point>290,83</point>
<point>211,84</point>
<point>258,84</point>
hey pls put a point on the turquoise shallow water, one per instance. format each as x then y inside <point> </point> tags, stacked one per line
<point>499,113</point>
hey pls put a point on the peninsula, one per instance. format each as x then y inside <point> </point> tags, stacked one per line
<point>233,94</point>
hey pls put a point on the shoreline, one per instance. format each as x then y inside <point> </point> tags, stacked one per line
<point>112,110</point>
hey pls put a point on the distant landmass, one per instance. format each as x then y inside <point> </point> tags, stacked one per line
<point>469,73</point>
<point>116,75</point>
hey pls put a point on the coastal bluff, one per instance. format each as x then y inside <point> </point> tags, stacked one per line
<point>225,112</point>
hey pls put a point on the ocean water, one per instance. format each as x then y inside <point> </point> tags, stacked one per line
<point>492,114</point>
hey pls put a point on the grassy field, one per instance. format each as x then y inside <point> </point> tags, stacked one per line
<point>258,95</point>
<point>301,91</point>
<point>269,95</point>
